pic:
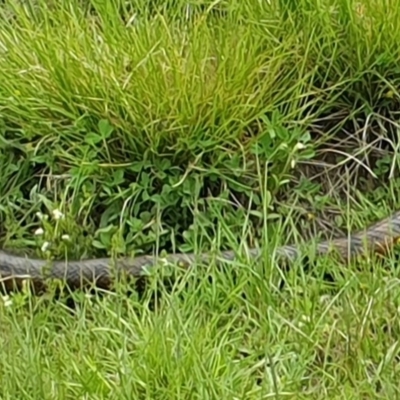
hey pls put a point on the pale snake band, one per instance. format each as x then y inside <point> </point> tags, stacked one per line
<point>378,238</point>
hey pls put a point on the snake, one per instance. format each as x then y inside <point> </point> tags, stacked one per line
<point>15,269</point>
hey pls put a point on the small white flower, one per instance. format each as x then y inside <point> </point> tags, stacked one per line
<point>39,215</point>
<point>293,163</point>
<point>299,146</point>
<point>45,246</point>
<point>57,214</point>
<point>39,232</point>
<point>7,301</point>
<point>65,237</point>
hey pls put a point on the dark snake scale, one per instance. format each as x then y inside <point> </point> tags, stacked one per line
<point>378,238</point>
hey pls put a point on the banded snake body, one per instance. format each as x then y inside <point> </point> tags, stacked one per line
<point>378,238</point>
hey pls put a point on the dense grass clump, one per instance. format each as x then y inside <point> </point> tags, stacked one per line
<point>133,127</point>
<point>129,116</point>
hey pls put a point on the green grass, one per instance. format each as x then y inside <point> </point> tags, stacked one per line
<point>237,337</point>
<point>154,130</point>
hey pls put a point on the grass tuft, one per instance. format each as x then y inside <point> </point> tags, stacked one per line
<point>140,127</point>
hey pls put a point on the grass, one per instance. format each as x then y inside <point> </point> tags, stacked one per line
<point>239,337</point>
<point>139,130</point>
